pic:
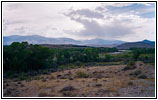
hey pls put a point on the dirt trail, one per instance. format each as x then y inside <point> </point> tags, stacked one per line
<point>95,81</point>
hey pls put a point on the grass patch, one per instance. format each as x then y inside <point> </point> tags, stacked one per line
<point>110,63</point>
<point>81,75</point>
<point>76,65</point>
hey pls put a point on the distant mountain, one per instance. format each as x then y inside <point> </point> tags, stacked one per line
<point>102,42</point>
<point>140,44</point>
<point>36,39</point>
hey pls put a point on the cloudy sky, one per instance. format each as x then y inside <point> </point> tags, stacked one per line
<point>81,20</point>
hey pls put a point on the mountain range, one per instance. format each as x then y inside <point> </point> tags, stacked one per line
<point>36,39</point>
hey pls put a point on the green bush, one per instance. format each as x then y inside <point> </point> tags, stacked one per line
<point>107,57</point>
<point>131,63</point>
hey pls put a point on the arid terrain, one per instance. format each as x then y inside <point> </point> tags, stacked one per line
<point>93,81</point>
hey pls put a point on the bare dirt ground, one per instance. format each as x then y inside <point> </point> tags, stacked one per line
<point>105,81</point>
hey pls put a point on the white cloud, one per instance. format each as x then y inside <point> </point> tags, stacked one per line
<point>78,20</point>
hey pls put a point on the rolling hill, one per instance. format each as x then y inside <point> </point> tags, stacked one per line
<point>140,44</point>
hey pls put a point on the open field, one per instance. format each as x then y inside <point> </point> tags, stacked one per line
<point>93,81</point>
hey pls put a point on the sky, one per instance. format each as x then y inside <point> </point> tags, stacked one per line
<point>81,20</point>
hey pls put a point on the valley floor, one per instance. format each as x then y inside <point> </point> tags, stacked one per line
<point>94,81</point>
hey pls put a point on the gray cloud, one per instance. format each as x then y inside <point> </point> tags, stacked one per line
<point>87,13</point>
<point>94,29</point>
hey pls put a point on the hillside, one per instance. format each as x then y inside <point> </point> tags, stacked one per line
<point>141,44</point>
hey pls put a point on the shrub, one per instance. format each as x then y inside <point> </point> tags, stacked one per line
<point>130,66</point>
<point>143,76</point>
<point>130,83</point>
<point>22,77</point>
<point>81,75</point>
<point>137,72</point>
<point>131,63</point>
<point>78,63</point>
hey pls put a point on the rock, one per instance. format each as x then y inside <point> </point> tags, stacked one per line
<point>98,85</point>
<point>67,88</point>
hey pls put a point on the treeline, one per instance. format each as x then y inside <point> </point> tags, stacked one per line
<point>143,54</point>
<point>144,50</point>
<point>22,57</point>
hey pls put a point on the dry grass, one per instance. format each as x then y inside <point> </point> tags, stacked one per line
<point>52,77</point>
<point>116,84</point>
<point>151,79</point>
<point>111,82</point>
